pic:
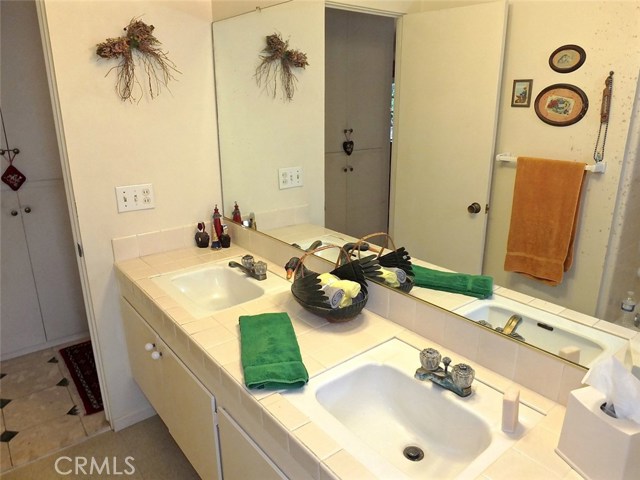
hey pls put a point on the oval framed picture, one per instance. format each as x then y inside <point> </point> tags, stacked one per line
<point>561,104</point>
<point>567,58</point>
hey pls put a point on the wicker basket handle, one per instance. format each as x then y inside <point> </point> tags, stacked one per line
<point>387,240</point>
<point>343,253</point>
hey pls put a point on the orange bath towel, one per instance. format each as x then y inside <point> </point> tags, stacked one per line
<point>546,200</point>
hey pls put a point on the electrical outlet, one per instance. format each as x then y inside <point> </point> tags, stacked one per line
<point>135,197</point>
<point>290,177</point>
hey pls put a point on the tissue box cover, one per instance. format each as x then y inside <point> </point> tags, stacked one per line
<point>598,446</point>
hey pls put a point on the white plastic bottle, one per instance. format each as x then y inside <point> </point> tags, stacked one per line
<point>628,310</point>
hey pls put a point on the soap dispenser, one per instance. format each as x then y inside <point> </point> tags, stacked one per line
<point>202,237</point>
<point>225,239</point>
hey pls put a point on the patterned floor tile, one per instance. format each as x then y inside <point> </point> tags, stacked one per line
<point>39,407</point>
<point>44,438</point>
<point>5,457</point>
<point>26,378</point>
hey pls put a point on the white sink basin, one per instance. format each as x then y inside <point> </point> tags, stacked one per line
<point>374,408</point>
<point>206,289</point>
<point>544,329</point>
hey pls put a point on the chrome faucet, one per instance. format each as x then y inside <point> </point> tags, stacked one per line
<point>458,380</point>
<point>257,270</point>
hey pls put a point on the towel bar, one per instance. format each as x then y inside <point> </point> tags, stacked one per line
<point>600,167</point>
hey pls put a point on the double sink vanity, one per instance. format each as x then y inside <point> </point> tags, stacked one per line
<point>363,414</point>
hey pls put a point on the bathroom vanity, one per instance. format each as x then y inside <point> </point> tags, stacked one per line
<point>189,368</point>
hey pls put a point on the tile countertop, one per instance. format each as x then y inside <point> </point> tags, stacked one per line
<point>210,348</point>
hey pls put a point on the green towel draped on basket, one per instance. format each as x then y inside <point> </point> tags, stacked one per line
<point>479,286</point>
<point>270,354</point>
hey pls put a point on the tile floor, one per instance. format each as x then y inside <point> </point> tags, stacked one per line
<point>41,410</point>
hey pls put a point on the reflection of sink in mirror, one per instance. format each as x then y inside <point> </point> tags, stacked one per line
<point>330,254</point>
<point>374,407</point>
<point>206,289</point>
<point>546,330</point>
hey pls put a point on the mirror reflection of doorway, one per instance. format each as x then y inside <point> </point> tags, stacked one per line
<point>359,63</point>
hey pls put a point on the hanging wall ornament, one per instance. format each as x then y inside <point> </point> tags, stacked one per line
<point>348,145</point>
<point>276,66</point>
<point>138,41</point>
<point>11,176</point>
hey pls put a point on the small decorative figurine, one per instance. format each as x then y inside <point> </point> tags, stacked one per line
<point>202,237</point>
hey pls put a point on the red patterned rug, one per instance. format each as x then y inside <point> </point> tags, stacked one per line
<point>82,366</point>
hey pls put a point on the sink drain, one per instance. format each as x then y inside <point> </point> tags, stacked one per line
<point>413,453</point>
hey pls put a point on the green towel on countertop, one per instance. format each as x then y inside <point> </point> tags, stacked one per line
<point>270,354</point>
<point>479,286</point>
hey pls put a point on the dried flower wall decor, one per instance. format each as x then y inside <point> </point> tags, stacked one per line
<point>139,38</point>
<point>276,64</point>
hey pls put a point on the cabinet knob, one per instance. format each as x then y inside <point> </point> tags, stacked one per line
<point>27,209</point>
<point>156,355</point>
<point>149,346</point>
<point>14,213</point>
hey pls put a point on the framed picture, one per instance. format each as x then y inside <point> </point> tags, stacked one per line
<point>521,93</point>
<point>567,58</point>
<point>561,104</point>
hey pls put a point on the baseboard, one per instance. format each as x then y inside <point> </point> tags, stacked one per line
<point>59,342</point>
<point>132,418</point>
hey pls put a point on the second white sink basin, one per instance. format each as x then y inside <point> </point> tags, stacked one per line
<point>374,408</point>
<point>209,288</point>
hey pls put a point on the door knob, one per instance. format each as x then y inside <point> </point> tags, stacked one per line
<point>14,213</point>
<point>27,209</point>
<point>474,208</point>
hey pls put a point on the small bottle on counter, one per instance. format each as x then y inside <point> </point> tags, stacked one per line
<point>215,241</point>
<point>225,239</point>
<point>217,222</point>
<point>628,310</point>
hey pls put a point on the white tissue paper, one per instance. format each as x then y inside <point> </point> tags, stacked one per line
<point>620,387</point>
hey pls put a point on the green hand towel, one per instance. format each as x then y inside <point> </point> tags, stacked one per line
<point>270,354</point>
<point>479,286</point>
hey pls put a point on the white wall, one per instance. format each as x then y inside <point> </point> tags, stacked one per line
<point>608,33</point>
<point>260,134</point>
<point>169,141</point>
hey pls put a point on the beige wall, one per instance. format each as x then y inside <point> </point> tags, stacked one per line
<point>608,33</point>
<point>169,141</point>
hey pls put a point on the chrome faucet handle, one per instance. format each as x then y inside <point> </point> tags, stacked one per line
<point>462,375</point>
<point>430,359</point>
<point>260,267</point>
<point>446,361</point>
<point>248,261</point>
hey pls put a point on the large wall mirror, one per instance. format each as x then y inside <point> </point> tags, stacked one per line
<point>453,65</point>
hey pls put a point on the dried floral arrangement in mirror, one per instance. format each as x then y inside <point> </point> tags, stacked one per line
<point>277,62</point>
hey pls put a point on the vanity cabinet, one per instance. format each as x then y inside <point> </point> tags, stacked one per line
<point>184,404</point>
<point>241,456</point>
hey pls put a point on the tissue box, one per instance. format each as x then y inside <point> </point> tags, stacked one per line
<point>596,445</point>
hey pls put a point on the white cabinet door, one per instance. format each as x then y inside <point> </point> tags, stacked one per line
<point>20,313</point>
<point>185,406</point>
<point>190,416</point>
<point>241,457</point>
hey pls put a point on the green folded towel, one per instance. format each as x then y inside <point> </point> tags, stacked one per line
<point>270,354</point>
<point>479,286</point>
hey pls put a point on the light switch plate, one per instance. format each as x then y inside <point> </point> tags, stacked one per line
<point>135,197</point>
<point>290,177</point>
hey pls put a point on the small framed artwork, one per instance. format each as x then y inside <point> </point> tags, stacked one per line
<point>561,105</point>
<point>567,58</point>
<point>521,94</point>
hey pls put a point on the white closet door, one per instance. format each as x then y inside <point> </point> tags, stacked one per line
<point>20,323</point>
<point>52,253</point>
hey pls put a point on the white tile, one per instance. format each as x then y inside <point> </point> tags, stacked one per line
<point>461,337</point>
<point>125,248</point>
<point>497,353</point>
<point>173,238</point>
<point>402,309</point>
<point>539,372</point>
<point>430,322</point>
<point>150,243</point>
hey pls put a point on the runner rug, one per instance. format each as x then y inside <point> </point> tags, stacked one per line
<point>82,366</point>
